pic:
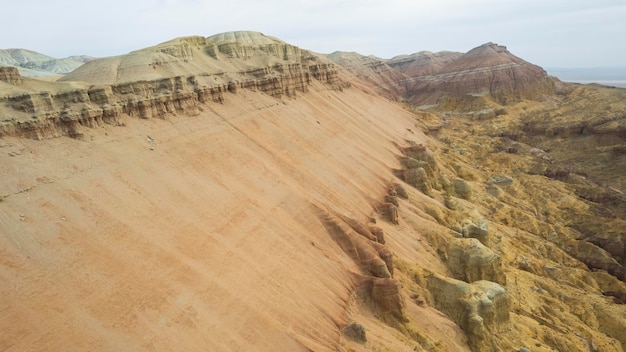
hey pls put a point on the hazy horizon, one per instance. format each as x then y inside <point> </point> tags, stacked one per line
<point>609,76</point>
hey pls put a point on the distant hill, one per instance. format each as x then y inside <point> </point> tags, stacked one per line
<point>33,64</point>
<point>427,78</point>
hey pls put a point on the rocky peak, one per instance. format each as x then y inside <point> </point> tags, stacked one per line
<point>486,56</point>
<point>489,70</point>
<point>245,38</point>
<point>488,49</point>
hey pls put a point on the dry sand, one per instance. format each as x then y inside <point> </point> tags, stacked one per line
<point>193,233</point>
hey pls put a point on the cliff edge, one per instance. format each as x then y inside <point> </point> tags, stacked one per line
<point>170,78</point>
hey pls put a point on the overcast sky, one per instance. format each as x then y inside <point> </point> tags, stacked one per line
<point>550,33</point>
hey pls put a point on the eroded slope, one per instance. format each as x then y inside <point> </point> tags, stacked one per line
<point>247,216</point>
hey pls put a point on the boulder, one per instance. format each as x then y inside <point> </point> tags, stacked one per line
<point>462,189</point>
<point>355,332</point>
<point>479,231</point>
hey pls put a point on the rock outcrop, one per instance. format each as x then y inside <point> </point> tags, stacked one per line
<point>469,260</point>
<point>420,169</point>
<point>119,88</point>
<point>480,308</point>
<point>387,299</point>
<point>366,249</point>
<point>371,256</point>
<point>10,75</point>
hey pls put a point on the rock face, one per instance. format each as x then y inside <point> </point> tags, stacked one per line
<point>387,298</point>
<point>479,307</point>
<point>366,248</point>
<point>10,75</point>
<point>420,169</point>
<point>209,68</point>
<point>243,59</point>
<point>469,260</point>
<point>385,78</point>
<point>371,256</point>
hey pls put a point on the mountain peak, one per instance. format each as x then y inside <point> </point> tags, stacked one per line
<point>247,38</point>
<point>491,53</point>
<point>229,52</point>
<point>490,47</point>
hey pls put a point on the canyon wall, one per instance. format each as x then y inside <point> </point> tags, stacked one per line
<point>221,65</point>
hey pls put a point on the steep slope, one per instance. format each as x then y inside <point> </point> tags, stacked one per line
<point>193,233</point>
<point>423,63</point>
<point>372,70</point>
<point>278,203</point>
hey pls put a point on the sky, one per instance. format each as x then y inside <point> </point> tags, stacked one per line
<point>549,33</point>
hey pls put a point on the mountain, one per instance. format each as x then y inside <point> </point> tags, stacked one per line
<point>423,63</point>
<point>34,64</point>
<point>237,192</point>
<point>487,70</point>
<point>239,53</point>
<point>374,70</point>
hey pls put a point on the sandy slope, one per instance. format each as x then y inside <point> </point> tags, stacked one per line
<point>194,233</point>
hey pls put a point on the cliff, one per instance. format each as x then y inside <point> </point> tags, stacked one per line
<point>146,83</point>
<point>10,75</point>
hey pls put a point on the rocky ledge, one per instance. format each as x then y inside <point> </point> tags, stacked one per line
<point>184,73</point>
